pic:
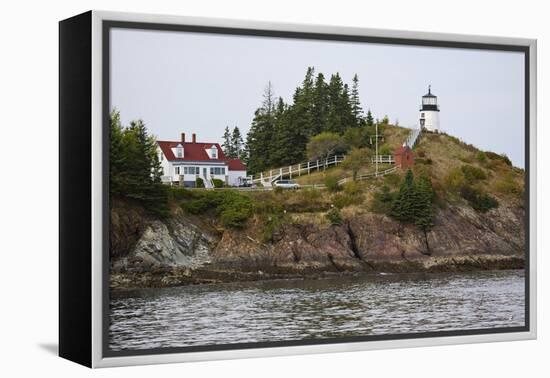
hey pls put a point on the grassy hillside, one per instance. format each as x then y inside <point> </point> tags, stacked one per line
<point>460,174</point>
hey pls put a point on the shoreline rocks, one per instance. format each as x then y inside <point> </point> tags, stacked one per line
<point>182,250</point>
<point>171,277</point>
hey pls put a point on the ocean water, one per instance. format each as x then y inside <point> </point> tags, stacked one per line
<point>285,310</point>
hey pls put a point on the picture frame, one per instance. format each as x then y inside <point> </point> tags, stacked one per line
<point>84,117</point>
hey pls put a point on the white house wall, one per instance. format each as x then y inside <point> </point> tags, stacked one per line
<point>234,176</point>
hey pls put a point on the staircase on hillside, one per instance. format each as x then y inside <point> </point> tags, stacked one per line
<point>412,139</point>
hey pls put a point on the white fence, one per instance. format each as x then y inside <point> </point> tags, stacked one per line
<point>383,159</point>
<point>268,177</point>
<point>368,176</point>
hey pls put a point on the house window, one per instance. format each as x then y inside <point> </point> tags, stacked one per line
<point>177,170</point>
<point>191,170</point>
<point>179,151</point>
<point>217,171</point>
<point>421,115</point>
<point>214,153</point>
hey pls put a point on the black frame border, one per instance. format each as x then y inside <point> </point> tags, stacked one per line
<point>107,25</point>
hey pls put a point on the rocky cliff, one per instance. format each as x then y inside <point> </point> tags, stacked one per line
<point>182,249</point>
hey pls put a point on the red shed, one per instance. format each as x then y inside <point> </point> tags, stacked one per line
<point>404,157</point>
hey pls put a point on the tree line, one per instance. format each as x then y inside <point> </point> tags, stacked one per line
<point>280,132</point>
<point>134,166</point>
<point>233,143</point>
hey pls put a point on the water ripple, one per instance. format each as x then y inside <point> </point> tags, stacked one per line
<point>313,309</point>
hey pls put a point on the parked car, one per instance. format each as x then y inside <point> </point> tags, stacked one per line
<point>286,184</point>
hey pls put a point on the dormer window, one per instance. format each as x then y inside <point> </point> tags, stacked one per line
<point>212,152</point>
<point>179,151</point>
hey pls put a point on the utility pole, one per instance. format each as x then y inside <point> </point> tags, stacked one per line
<point>376,154</point>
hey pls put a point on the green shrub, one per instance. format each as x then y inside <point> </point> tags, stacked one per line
<point>199,182</point>
<point>382,201</point>
<point>427,161</point>
<point>385,150</point>
<point>331,183</point>
<point>473,174</point>
<point>233,208</point>
<point>479,201</point>
<point>507,185</point>
<point>278,190</point>
<point>342,200</point>
<point>273,218</point>
<point>466,159</point>
<point>233,217</point>
<point>351,188</point>
<point>179,193</point>
<point>454,179</point>
<point>481,157</point>
<point>494,156</point>
<point>218,183</point>
<point>334,217</point>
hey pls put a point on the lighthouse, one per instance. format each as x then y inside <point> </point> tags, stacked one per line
<point>429,112</point>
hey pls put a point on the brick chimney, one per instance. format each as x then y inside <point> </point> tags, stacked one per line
<point>194,138</point>
<point>182,137</point>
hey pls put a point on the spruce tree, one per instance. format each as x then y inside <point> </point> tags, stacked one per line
<point>403,207</point>
<point>335,94</point>
<point>117,179</point>
<point>320,105</point>
<point>424,198</point>
<point>356,109</point>
<point>260,136</point>
<point>369,119</point>
<point>236,143</point>
<point>226,145</point>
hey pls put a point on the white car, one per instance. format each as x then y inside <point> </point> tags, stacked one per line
<point>286,184</point>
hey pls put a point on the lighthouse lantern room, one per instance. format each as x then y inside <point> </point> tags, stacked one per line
<point>429,112</point>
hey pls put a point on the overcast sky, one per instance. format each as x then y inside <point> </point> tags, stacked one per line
<point>199,83</point>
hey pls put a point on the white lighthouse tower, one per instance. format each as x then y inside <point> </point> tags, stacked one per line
<point>429,112</point>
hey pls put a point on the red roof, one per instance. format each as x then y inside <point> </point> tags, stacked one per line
<point>191,151</point>
<point>197,152</point>
<point>236,165</point>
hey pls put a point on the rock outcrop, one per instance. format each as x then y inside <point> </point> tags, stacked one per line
<point>180,250</point>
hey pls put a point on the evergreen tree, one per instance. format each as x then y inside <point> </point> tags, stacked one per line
<point>283,137</point>
<point>356,109</point>
<point>135,170</point>
<point>369,119</point>
<point>424,198</point>
<point>226,145</point>
<point>295,125</point>
<point>236,143</point>
<point>279,132</point>
<point>414,202</point>
<point>403,207</point>
<point>260,136</point>
<point>335,96</point>
<point>320,104</point>
<point>117,160</point>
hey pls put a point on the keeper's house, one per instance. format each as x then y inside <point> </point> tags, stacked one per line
<point>183,162</point>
